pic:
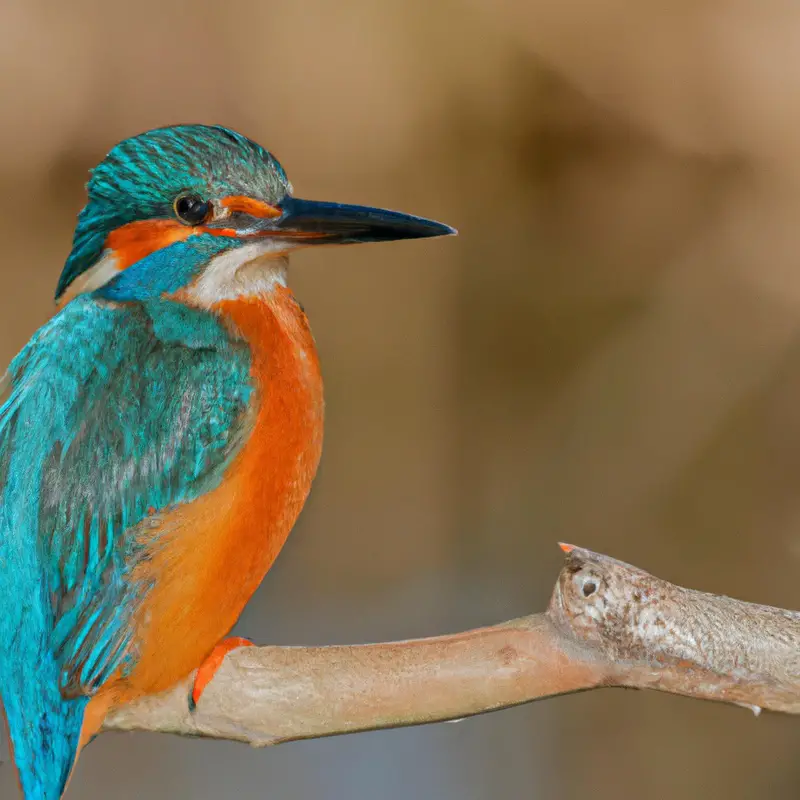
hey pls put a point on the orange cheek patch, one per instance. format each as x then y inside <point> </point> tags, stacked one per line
<point>137,240</point>
<point>247,205</point>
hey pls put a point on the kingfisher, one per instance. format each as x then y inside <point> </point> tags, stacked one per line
<point>160,434</point>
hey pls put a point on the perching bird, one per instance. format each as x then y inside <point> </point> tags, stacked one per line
<point>160,435</point>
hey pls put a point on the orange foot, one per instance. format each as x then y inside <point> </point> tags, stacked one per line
<point>210,666</point>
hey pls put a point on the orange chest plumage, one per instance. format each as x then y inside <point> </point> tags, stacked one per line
<point>218,548</point>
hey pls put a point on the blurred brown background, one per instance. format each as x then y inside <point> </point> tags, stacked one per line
<point>609,354</point>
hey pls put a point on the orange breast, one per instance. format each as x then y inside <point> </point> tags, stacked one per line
<point>218,548</point>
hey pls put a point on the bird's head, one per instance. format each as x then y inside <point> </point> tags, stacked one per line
<point>165,205</point>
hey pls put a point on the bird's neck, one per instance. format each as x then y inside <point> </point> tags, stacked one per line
<point>276,329</point>
<point>272,313</point>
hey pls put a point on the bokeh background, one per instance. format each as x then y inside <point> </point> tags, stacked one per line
<point>609,354</point>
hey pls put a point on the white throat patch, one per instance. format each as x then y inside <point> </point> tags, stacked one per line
<point>245,271</point>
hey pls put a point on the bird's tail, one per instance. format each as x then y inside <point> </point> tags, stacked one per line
<point>44,728</point>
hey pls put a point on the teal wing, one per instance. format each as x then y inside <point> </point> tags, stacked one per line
<point>115,411</point>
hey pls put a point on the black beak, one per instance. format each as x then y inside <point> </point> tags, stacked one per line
<point>337,223</point>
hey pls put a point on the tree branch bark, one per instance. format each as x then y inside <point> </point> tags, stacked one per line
<point>608,624</point>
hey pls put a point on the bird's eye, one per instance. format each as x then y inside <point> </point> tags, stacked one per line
<point>191,209</point>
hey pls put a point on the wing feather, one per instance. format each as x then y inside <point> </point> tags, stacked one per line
<point>115,412</point>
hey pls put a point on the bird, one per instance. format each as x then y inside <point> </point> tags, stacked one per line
<point>160,433</point>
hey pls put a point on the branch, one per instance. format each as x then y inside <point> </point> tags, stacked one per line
<point>608,624</point>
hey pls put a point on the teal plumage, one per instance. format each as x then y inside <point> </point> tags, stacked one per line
<point>161,432</point>
<point>115,411</point>
<point>124,404</point>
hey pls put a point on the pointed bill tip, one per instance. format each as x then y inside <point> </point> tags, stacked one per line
<point>567,548</point>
